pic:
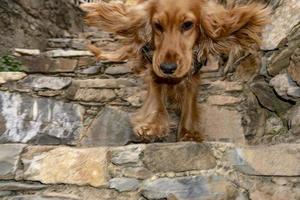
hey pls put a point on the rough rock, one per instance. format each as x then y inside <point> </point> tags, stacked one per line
<point>190,188</point>
<point>286,16</point>
<point>294,68</point>
<point>127,156</point>
<point>94,95</point>
<point>285,87</point>
<point>293,117</point>
<point>276,160</point>
<point>38,120</point>
<point>9,160</point>
<point>105,83</point>
<point>68,166</point>
<point>222,100</point>
<point>45,64</point>
<point>226,86</point>
<point>39,197</point>
<point>178,157</point>
<point>11,76</point>
<point>267,98</point>
<point>19,186</point>
<point>273,192</point>
<point>274,125</point>
<point>67,53</point>
<point>136,172</point>
<point>124,184</point>
<point>92,70</point>
<point>117,70</point>
<point>38,82</point>
<point>219,124</point>
<point>28,52</point>
<point>111,127</point>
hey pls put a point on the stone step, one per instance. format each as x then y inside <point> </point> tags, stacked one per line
<point>188,171</point>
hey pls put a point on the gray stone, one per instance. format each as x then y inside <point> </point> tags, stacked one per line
<point>92,70</point>
<point>221,124</point>
<point>47,65</point>
<point>124,184</point>
<point>9,160</point>
<point>274,125</point>
<point>190,188</point>
<point>105,83</point>
<point>286,16</point>
<point>5,193</point>
<point>19,186</point>
<point>117,70</point>
<point>59,42</point>
<point>280,61</point>
<point>39,197</point>
<point>128,156</point>
<point>38,120</point>
<point>67,53</point>
<point>178,157</point>
<point>285,87</point>
<point>46,82</point>
<point>276,160</point>
<point>111,127</point>
<point>94,95</point>
<point>294,68</point>
<point>267,98</point>
<point>136,172</point>
<point>293,117</point>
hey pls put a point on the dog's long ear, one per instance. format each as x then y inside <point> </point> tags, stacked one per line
<point>240,26</point>
<point>129,21</point>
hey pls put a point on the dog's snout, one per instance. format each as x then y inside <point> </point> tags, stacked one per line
<point>168,68</point>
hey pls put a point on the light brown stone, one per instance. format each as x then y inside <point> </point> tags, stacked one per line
<point>11,76</point>
<point>222,100</point>
<point>66,165</point>
<point>227,86</point>
<point>96,95</point>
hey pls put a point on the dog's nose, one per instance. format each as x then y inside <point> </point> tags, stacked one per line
<point>168,68</point>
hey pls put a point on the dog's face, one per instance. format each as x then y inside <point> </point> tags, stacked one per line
<point>175,29</point>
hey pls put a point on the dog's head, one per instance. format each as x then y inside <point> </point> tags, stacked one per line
<point>178,28</point>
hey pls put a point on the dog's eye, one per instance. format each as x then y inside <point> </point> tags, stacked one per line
<point>158,27</point>
<point>187,26</point>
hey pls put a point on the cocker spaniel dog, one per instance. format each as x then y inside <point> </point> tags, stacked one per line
<point>170,40</point>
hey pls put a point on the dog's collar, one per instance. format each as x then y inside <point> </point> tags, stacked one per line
<point>147,52</point>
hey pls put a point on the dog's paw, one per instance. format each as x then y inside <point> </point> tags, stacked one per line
<point>151,132</point>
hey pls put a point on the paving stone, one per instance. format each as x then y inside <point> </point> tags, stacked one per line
<point>39,82</point>
<point>9,160</point>
<point>124,184</point>
<point>105,83</point>
<point>28,52</point>
<point>276,160</point>
<point>68,166</point>
<point>44,64</point>
<point>67,53</point>
<point>190,188</point>
<point>220,124</point>
<point>11,76</point>
<point>178,157</point>
<point>110,128</point>
<point>26,119</point>
<point>117,70</point>
<point>286,16</point>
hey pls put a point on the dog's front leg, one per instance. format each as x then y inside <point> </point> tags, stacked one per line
<point>188,129</point>
<point>151,121</point>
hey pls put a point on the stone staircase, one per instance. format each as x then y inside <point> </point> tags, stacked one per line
<point>65,131</point>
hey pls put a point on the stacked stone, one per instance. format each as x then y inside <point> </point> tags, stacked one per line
<point>65,131</point>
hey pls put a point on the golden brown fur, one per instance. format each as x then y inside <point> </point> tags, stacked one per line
<point>175,29</point>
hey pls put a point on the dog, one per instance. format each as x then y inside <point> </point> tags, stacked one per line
<point>170,40</point>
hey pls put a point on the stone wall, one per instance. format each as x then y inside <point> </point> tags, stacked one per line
<point>65,131</point>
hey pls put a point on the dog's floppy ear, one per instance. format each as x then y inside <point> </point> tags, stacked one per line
<point>238,26</point>
<point>128,21</point>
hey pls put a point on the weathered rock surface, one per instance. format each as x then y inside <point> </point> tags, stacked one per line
<point>28,52</point>
<point>190,188</point>
<point>285,87</point>
<point>93,95</point>
<point>9,160</point>
<point>294,68</point>
<point>111,127</point>
<point>46,82</point>
<point>11,76</point>
<point>178,157</point>
<point>105,83</point>
<point>293,117</point>
<point>277,160</point>
<point>222,100</point>
<point>19,186</point>
<point>38,120</point>
<point>117,70</point>
<point>68,166</point>
<point>124,184</point>
<point>67,53</point>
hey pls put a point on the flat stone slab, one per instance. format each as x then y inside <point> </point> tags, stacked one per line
<point>66,165</point>
<point>30,52</point>
<point>178,157</point>
<point>26,119</point>
<point>189,188</point>
<point>38,82</point>
<point>11,76</point>
<point>67,53</point>
<point>9,160</point>
<point>105,83</point>
<point>276,160</point>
